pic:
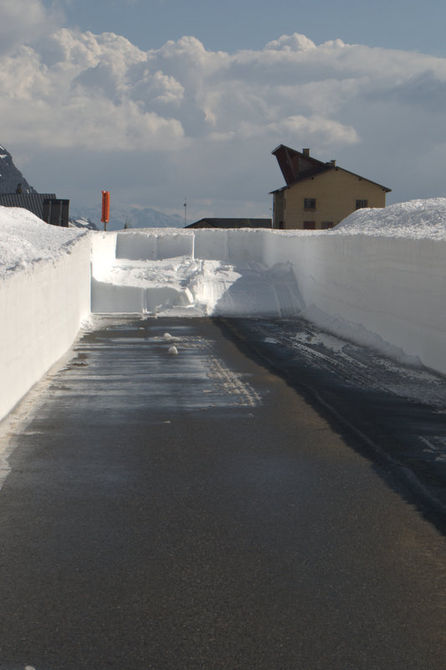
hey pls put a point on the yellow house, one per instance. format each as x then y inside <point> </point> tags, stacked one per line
<point>319,195</point>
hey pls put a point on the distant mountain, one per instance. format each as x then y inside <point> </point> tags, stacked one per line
<point>10,176</point>
<point>131,217</point>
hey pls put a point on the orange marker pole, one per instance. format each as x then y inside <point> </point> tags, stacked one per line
<point>105,208</point>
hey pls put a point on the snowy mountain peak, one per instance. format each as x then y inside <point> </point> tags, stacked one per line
<point>10,175</point>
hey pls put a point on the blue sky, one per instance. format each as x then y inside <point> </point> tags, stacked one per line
<point>160,99</point>
<point>238,24</point>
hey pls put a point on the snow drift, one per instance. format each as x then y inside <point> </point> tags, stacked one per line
<point>416,219</point>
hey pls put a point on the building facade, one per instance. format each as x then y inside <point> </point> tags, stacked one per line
<point>319,195</point>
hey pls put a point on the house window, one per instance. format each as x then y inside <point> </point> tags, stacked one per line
<point>362,203</point>
<point>309,203</point>
<point>309,225</point>
<point>326,224</point>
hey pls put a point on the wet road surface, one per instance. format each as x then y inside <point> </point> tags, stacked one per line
<point>191,510</point>
<point>395,410</point>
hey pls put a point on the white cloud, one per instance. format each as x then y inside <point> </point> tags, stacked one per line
<point>296,42</point>
<point>21,21</point>
<point>219,114</point>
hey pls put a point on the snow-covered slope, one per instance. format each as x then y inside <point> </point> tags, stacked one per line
<point>25,240</point>
<point>10,175</point>
<point>416,219</point>
<point>82,223</point>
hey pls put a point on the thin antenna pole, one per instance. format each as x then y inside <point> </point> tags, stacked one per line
<point>185,212</point>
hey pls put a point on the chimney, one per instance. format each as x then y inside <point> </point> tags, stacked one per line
<point>306,153</point>
<point>333,163</point>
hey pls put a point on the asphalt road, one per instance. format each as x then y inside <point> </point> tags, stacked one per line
<point>392,412</point>
<point>192,510</point>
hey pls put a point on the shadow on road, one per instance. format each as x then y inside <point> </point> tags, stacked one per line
<point>373,402</point>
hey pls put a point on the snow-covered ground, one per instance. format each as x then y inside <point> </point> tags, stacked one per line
<point>26,240</point>
<point>416,219</point>
<point>378,279</point>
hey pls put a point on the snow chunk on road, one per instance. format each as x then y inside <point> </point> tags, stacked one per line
<point>25,239</point>
<point>416,219</point>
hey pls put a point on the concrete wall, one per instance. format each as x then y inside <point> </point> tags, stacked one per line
<point>41,311</point>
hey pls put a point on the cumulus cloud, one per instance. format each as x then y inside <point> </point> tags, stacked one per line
<point>294,42</point>
<point>214,112</point>
<point>21,21</point>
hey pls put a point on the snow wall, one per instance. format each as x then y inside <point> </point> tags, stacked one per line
<point>42,308</point>
<point>385,292</point>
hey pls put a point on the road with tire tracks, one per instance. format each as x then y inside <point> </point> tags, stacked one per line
<point>191,509</point>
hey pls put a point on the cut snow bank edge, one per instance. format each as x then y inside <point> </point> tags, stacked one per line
<point>383,292</point>
<point>42,308</point>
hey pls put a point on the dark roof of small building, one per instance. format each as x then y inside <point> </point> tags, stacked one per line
<point>297,166</point>
<point>231,223</point>
<point>30,201</point>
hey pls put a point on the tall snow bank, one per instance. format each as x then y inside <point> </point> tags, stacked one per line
<point>385,292</point>
<point>44,296</point>
<point>378,278</point>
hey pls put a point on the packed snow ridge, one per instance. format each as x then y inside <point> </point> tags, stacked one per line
<point>416,219</point>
